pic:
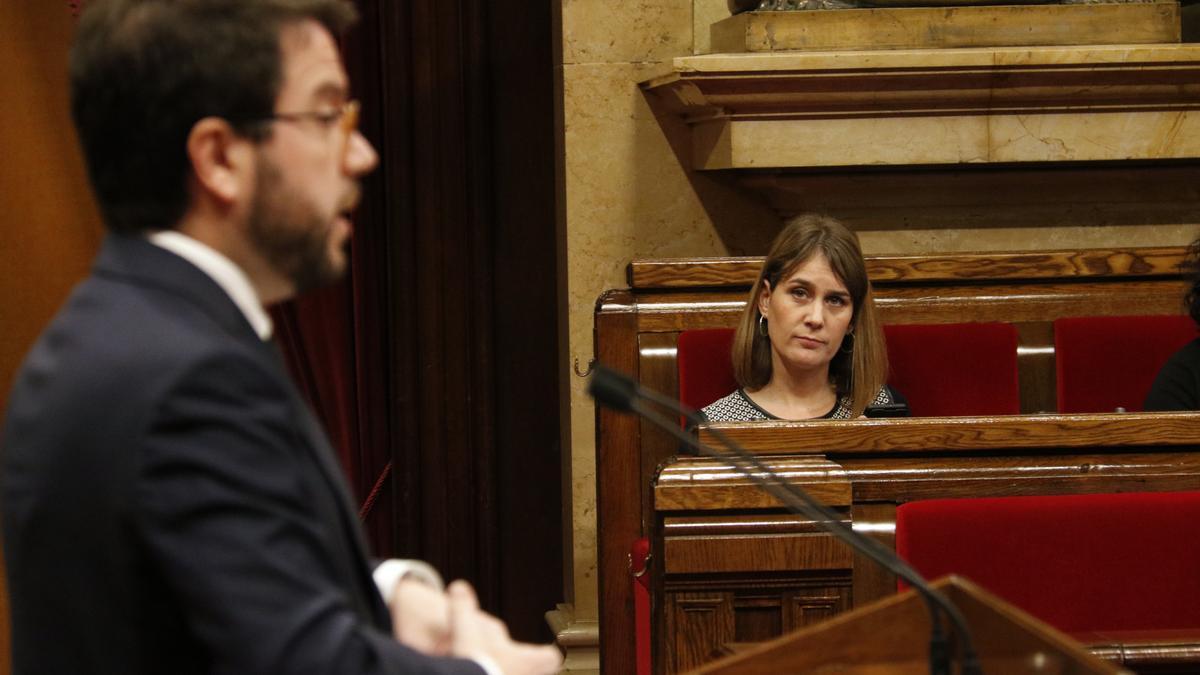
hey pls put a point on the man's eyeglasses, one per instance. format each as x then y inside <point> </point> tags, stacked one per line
<point>345,117</point>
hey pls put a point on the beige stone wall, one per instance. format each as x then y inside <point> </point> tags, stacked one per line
<point>627,194</point>
<point>51,229</point>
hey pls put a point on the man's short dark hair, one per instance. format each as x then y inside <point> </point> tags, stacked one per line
<point>143,72</point>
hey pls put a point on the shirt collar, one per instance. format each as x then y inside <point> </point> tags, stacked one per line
<point>223,271</point>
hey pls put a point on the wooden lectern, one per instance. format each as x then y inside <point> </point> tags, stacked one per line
<point>892,636</point>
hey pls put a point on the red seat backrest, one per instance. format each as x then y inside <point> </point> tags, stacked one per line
<point>955,369</point>
<point>1079,562</point>
<point>1106,362</point>
<point>705,366</point>
<point>942,369</point>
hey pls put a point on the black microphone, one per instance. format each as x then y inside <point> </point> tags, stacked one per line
<point>620,392</point>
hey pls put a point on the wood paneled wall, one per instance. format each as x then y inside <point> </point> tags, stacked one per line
<point>50,229</point>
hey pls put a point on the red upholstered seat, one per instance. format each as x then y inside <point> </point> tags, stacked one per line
<point>705,366</point>
<point>955,369</point>
<point>942,369</point>
<point>1110,562</point>
<point>1106,362</point>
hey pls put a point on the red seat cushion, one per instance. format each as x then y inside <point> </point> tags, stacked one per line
<point>955,369</point>
<point>1106,362</point>
<point>1079,562</point>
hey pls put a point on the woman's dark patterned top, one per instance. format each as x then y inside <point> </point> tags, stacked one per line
<point>737,407</point>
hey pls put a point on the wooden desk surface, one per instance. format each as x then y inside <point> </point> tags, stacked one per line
<point>993,434</point>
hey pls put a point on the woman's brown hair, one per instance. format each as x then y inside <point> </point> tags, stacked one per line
<point>858,372</point>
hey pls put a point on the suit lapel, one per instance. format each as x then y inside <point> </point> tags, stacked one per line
<point>331,471</point>
<point>324,453</point>
<point>135,259</point>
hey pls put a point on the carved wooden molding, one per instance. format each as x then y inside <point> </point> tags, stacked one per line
<point>699,484</point>
<point>1146,651</point>
<point>1012,266</point>
<point>998,434</point>
<point>732,543</point>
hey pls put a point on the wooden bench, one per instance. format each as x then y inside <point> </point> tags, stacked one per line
<point>731,566</point>
<point>637,329</point>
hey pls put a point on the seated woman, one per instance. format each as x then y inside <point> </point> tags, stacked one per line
<point>1177,386</point>
<point>809,344</point>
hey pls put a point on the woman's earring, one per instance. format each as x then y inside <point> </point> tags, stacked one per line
<point>762,325</point>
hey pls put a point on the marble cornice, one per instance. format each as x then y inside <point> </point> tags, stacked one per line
<point>963,105</point>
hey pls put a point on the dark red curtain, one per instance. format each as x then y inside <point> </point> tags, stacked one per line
<point>435,366</point>
<point>334,343</point>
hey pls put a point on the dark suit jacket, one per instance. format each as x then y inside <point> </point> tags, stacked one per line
<point>169,503</point>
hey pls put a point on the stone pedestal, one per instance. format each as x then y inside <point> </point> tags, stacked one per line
<point>942,27</point>
<point>946,107</point>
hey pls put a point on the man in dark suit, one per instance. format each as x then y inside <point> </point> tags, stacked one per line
<point>169,503</point>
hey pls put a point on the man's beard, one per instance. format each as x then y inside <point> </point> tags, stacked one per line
<point>290,233</point>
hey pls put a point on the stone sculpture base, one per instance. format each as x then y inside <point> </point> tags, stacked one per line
<point>940,27</point>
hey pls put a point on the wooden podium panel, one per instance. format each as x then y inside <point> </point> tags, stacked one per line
<point>892,636</point>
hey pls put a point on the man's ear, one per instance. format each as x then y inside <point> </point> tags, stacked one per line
<point>764,299</point>
<point>222,161</point>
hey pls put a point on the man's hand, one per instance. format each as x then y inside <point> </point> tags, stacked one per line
<point>421,617</point>
<point>477,634</point>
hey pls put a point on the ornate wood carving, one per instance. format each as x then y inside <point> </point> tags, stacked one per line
<point>700,623</point>
<point>718,535</point>
<point>704,625</point>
